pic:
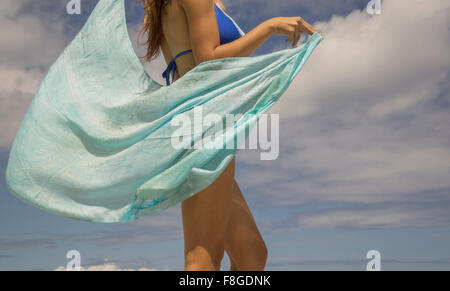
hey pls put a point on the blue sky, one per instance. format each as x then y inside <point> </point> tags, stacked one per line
<point>364,153</point>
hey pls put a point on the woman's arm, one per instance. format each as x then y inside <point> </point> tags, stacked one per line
<point>205,39</point>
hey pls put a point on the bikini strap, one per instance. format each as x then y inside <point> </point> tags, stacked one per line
<point>172,67</point>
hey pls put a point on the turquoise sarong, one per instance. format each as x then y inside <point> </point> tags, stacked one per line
<point>95,143</point>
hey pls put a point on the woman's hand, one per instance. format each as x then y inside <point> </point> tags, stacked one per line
<point>292,27</point>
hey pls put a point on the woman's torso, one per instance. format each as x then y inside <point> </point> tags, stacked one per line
<point>176,37</point>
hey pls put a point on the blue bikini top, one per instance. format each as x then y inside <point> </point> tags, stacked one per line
<point>228,31</point>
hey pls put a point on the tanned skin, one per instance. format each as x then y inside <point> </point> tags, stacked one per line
<point>218,219</point>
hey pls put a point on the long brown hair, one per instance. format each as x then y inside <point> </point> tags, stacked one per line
<point>152,27</point>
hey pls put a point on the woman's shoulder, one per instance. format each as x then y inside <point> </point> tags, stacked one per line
<point>192,3</point>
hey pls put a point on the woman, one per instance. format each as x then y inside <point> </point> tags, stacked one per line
<point>190,32</point>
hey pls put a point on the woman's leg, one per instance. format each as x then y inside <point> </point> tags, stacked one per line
<point>243,242</point>
<point>205,218</point>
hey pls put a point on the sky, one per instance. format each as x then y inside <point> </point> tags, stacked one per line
<point>364,159</point>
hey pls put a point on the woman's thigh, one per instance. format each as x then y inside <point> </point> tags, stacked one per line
<point>206,214</point>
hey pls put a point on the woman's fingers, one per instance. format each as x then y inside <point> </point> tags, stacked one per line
<point>296,36</point>
<point>293,27</point>
<point>308,28</point>
<point>290,38</point>
<point>290,32</point>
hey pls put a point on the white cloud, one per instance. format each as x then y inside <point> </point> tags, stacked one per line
<point>365,59</point>
<point>362,123</point>
<point>30,36</point>
<point>30,43</point>
<point>108,267</point>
